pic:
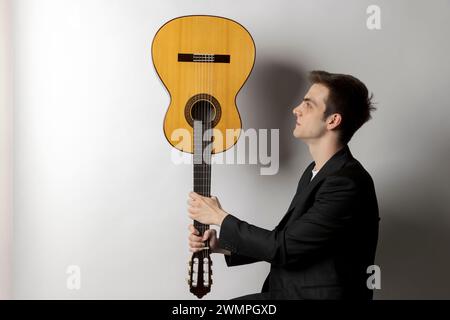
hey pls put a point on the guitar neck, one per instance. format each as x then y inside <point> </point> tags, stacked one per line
<point>202,166</point>
<point>202,186</point>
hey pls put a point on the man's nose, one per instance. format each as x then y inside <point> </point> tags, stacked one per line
<point>296,111</point>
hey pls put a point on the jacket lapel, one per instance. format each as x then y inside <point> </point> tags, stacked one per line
<point>302,184</point>
<point>306,176</point>
<point>305,186</point>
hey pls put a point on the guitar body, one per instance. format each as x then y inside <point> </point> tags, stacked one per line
<point>203,58</point>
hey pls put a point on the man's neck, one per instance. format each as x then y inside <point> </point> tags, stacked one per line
<point>322,151</point>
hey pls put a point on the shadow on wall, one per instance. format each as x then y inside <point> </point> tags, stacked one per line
<point>275,87</point>
<point>414,245</point>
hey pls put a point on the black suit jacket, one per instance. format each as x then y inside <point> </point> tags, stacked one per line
<point>323,245</point>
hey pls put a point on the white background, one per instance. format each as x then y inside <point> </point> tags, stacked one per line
<point>94,184</point>
<point>5,150</point>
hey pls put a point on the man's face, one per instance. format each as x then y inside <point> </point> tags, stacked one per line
<point>310,114</point>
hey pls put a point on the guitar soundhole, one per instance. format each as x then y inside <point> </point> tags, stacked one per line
<point>203,111</point>
<point>203,107</point>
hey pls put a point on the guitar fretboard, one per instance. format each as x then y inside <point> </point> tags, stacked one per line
<point>202,164</point>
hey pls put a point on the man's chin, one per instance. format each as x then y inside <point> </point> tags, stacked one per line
<point>299,136</point>
<point>296,134</point>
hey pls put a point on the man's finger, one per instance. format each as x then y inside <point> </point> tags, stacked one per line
<point>206,234</point>
<point>192,229</point>
<point>194,195</point>
<point>195,238</point>
<point>192,203</point>
<point>194,244</point>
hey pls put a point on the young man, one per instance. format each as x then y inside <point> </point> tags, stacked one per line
<point>322,247</point>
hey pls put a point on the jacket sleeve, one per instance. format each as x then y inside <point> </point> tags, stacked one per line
<point>237,260</point>
<point>311,232</point>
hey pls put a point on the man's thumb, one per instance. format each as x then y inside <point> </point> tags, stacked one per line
<point>209,233</point>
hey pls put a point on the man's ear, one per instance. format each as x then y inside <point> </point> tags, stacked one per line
<point>334,121</point>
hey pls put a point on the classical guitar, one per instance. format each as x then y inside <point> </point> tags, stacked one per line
<point>203,61</point>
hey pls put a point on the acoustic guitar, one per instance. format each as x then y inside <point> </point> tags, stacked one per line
<point>203,61</point>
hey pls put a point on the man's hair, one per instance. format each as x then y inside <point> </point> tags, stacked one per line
<point>347,96</point>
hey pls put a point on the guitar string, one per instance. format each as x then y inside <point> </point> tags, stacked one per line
<point>211,83</point>
<point>202,105</point>
<point>207,109</point>
<point>193,116</point>
<point>207,138</point>
<point>211,69</point>
<point>207,125</point>
<point>204,111</point>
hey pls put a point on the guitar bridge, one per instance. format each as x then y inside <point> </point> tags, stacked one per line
<point>209,58</point>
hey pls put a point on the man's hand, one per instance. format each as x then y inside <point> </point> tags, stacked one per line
<point>205,210</point>
<point>196,242</point>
